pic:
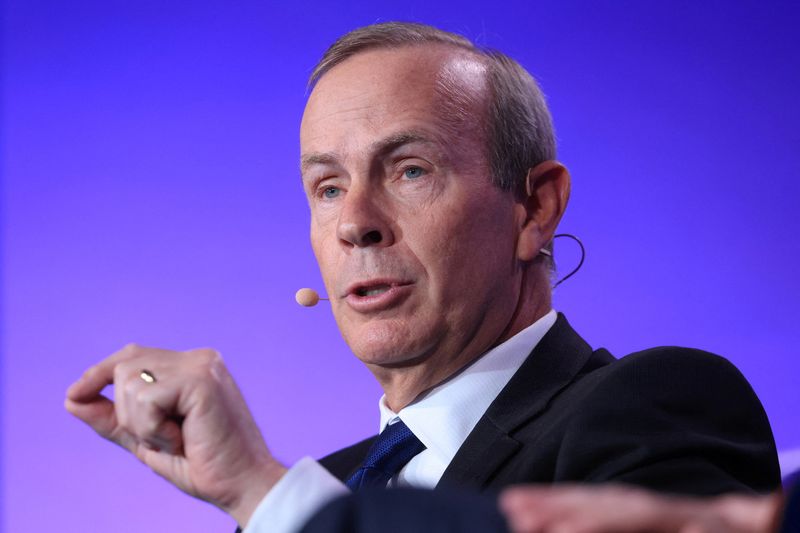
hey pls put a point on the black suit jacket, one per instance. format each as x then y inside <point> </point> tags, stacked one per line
<point>669,419</point>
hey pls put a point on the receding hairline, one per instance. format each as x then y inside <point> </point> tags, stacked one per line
<point>463,93</point>
<point>388,36</point>
<point>476,55</point>
<point>516,123</point>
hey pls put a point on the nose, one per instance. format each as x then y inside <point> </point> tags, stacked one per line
<point>362,220</point>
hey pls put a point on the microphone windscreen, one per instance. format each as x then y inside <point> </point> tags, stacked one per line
<point>307,297</point>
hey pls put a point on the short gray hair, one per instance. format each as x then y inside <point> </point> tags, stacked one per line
<point>519,128</point>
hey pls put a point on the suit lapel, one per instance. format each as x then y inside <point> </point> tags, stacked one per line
<point>552,365</point>
<point>344,463</point>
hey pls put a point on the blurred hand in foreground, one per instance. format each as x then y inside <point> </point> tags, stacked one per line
<point>615,508</point>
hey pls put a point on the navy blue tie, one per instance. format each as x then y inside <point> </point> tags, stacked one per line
<point>395,447</point>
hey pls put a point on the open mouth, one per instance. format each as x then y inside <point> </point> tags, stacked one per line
<point>378,295</point>
<point>372,290</point>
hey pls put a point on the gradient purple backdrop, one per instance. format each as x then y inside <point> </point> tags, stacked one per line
<point>151,194</point>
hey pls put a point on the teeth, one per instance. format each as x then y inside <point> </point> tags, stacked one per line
<point>373,292</point>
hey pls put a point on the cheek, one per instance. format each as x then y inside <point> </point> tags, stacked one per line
<point>323,244</point>
<point>468,249</point>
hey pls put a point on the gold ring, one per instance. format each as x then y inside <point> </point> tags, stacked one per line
<point>147,376</point>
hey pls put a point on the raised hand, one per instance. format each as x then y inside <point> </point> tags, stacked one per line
<point>189,424</point>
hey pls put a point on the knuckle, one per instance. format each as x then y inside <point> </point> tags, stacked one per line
<point>151,426</point>
<point>208,362</point>
<point>131,348</point>
<point>131,388</point>
<point>121,372</point>
<point>208,356</point>
<point>141,397</point>
<point>149,416</point>
<point>208,367</point>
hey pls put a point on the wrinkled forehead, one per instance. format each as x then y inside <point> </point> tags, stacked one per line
<point>440,81</point>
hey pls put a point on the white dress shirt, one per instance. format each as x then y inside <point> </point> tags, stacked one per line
<point>441,418</point>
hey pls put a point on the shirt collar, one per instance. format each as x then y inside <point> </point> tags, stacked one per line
<point>443,417</point>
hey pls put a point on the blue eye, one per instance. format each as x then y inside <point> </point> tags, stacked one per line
<point>413,172</point>
<point>331,192</point>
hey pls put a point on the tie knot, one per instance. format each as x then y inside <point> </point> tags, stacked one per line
<point>390,452</point>
<point>396,444</point>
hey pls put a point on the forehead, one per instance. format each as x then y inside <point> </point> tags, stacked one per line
<point>380,90</point>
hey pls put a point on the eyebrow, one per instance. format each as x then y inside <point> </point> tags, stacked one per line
<point>396,140</point>
<point>381,147</point>
<point>316,158</point>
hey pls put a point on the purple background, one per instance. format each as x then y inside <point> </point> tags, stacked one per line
<point>151,194</point>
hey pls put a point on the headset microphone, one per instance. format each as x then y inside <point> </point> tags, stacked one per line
<point>308,297</point>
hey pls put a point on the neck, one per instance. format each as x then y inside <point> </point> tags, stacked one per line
<point>402,385</point>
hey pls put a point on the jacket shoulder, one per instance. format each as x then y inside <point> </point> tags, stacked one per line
<point>679,375</point>
<point>670,414</point>
<point>678,358</point>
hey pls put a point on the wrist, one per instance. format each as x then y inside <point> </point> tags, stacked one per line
<point>257,485</point>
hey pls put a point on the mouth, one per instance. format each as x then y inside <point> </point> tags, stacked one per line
<point>377,295</point>
<point>374,287</point>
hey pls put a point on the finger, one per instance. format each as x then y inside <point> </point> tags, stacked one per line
<point>149,410</point>
<point>124,383</point>
<point>89,385</point>
<point>561,509</point>
<point>173,468</point>
<point>128,381</point>
<point>522,509</point>
<point>167,438</point>
<point>522,497</point>
<point>158,428</point>
<point>100,415</point>
<point>576,526</point>
<point>527,521</point>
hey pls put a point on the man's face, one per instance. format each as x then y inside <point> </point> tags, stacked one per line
<point>415,244</point>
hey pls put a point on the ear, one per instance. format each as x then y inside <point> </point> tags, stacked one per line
<point>544,199</point>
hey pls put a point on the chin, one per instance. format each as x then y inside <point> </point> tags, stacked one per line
<point>389,343</point>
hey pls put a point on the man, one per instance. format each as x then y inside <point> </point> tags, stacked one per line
<point>430,170</point>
